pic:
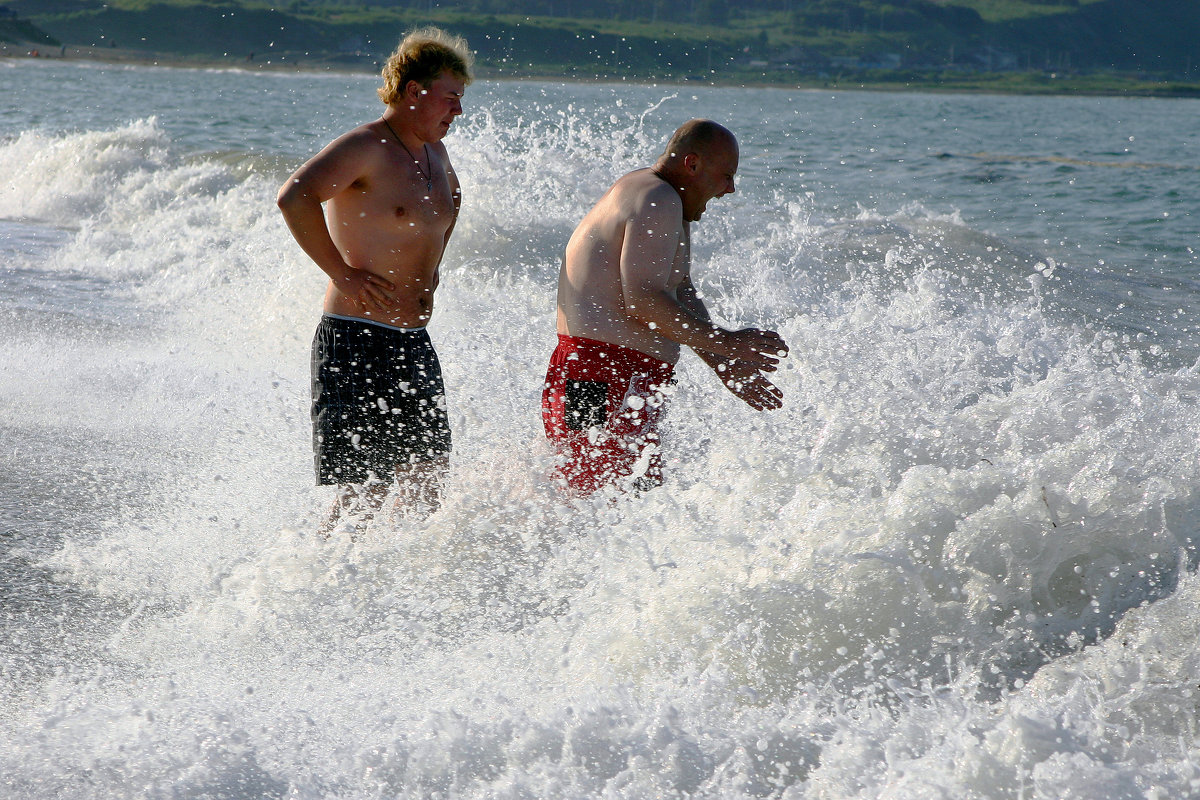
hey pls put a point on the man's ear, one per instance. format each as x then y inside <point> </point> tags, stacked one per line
<point>691,162</point>
<point>413,90</point>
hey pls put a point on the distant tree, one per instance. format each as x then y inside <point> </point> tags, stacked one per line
<point>712,12</point>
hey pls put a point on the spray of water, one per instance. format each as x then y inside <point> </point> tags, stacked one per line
<point>926,575</point>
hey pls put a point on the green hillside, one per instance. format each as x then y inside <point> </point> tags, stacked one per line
<point>15,30</point>
<point>787,41</point>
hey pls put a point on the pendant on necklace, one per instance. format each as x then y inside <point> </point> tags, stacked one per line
<point>425,147</point>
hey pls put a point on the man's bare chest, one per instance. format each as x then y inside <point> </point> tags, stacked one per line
<point>398,202</point>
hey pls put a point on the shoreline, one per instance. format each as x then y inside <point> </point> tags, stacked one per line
<point>1027,84</point>
<point>146,58</point>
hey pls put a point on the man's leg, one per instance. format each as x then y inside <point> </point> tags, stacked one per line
<point>358,502</point>
<point>418,488</point>
<point>418,419</point>
<point>417,492</point>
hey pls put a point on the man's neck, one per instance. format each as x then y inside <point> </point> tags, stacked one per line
<point>664,174</point>
<point>401,124</point>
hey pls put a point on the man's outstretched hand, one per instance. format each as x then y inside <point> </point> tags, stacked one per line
<point>762,349</point>
<point>746,381</point>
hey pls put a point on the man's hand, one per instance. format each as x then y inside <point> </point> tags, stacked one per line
<point>367,290</point>
<point>746,381</point>
<point>761,349</point>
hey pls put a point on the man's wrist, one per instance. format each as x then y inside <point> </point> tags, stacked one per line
<point>715,343</point>
<point>714,360</point>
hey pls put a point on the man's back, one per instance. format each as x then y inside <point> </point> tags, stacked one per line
<point>591,297</point>
<point>626,305</point>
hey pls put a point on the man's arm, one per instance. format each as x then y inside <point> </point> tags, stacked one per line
<point>456,198</point>
<point>648,256</point>
<point>744,379</point>
<point>325,175</point>
<point>455,190</point>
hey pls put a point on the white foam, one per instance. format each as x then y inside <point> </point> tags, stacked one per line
<point>855,596</point>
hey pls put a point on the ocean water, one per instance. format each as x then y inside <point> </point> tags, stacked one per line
<point>958,563</point>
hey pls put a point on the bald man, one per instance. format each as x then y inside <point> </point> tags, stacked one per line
<point>626,305</point>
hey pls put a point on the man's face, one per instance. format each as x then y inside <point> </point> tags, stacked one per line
<point>438,105</point>
<point>713,178</point>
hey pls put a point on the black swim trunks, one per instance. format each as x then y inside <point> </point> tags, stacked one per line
<point>377,400</point>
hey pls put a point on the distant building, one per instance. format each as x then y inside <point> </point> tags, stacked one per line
<point>799,58</point>
<point>355,45</point>
<point>881,61</point>
<point>875,61</point>
<point>994,59</point>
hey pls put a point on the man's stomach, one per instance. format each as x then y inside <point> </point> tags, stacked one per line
<point>410,309</point>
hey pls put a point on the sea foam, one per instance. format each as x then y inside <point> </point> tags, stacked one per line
<point>957,562</point>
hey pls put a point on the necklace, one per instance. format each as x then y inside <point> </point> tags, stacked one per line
<point>429,165</point>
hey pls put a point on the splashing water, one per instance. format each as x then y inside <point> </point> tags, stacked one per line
<point>958,562</point>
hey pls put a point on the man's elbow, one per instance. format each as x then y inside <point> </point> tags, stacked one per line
<point>640,314</point>
<point>293,196</point>
<point>288,195</point>
<point>643,305</point>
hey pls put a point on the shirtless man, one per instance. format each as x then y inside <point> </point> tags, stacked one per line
<point>391,200</point>
<point>626,304</point>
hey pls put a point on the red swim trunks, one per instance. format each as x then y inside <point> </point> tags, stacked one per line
<point>601,405</point>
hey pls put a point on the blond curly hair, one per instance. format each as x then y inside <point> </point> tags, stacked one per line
<point>422,56</point>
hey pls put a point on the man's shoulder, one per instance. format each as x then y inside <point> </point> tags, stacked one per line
<point>367,134</point>
<point>359,148</point>
<point>643,189</point>
<point>358,140</point>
